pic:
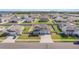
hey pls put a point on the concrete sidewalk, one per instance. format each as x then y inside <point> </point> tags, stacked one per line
<point>46,39</point>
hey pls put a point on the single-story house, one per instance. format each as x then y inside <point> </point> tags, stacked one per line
<point>14,19</point>
<point>60,19</point>
<point>28,19</point>
<point>67,28</point>
<point>3,20</point>
<point>43,18</point>
<point>73,19</point>
<point>33,16</point>
<point>14,30</point>
<point>38,30</point>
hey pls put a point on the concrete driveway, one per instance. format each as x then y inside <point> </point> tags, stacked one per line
<point>46,39</point>
<point>9,39</point>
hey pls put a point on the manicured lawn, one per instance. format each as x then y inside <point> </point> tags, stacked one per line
<point>20,23</point>
<point>26,23</point>
<point>53,21</point>
<point>2,37</point>
<point>25,37</point>
<point>20,15</point>
<point>37,22</point>
<point>42,22</point>
<point>26,28</point>
<point>56,28</point>
<point>50,21</point>
<point>34,37</point>
<point>59,38</point>
<point>4,26</point>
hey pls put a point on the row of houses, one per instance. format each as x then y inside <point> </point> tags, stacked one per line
<point>68,25</point>
<point>16,19</point>
<point>69,29</point>
<point>4,18</point>
<point>13,18</point>
<point>69,19</point>
<point>14,30</point>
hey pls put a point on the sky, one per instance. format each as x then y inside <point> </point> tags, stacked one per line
<point>39,9</point>
<point>39,5</point>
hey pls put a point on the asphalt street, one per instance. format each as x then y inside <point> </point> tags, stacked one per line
<point>34,45</point>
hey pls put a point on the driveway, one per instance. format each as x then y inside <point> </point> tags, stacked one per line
<point>46,39</point>
<point>9,39</point>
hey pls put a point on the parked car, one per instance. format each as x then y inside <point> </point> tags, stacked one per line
<point>76,42</point>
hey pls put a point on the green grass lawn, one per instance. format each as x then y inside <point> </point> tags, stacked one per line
<point>26,23</point>
<point>56,29</point>
<point>26,28</point>
<point>59,38</point>
<point>25,37</point>
<point>34,37</point>
<point>2,37</point>
<point>20,15</point>
<point>51,21</point>
<point>47,22</point>
<point>37,22</point>
<point>42,22</point>
<point>4,26</point>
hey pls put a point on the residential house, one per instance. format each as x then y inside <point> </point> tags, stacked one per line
<point>38,30</point>
<point>68,28</point>
<point>28,19</point>
<point>43,18</point>
<point>60,20</point>
<point>14,19</point>
<point>14,30</point>
<point>76,32</point>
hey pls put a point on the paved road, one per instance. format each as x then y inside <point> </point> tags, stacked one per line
<point>34,45</point>
<point>46,39</point>
<point>9,24</point>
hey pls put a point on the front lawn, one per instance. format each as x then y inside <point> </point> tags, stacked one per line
<point>25,37</point>
<point>56,29</point>
<point>26,29</point>
<point>59,38</point>
<point>2,37</point>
